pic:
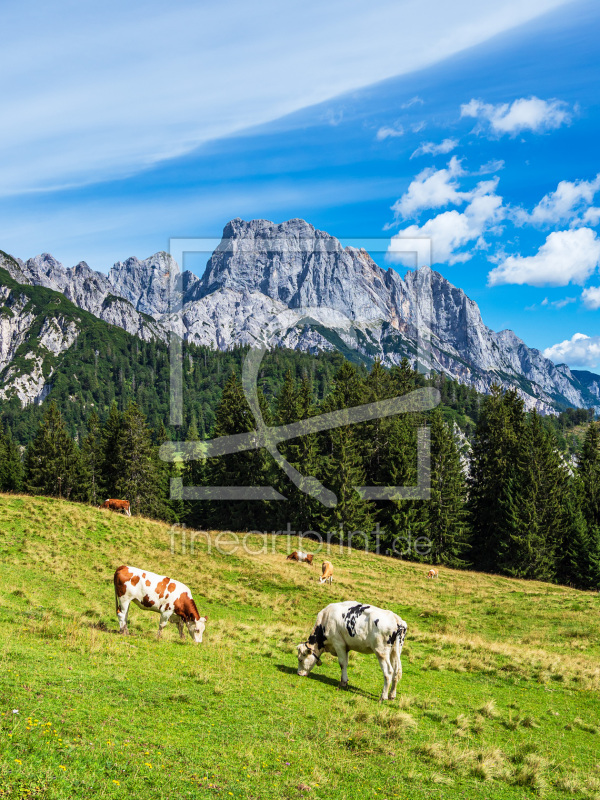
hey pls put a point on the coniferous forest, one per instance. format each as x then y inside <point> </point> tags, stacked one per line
<point>511,492</point>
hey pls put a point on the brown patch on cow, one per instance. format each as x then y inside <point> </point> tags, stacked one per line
<point>161,587</point>
<point>147,602</point>
<point>147,583</point>
<point>121,576</point>
<point>171,587</point>
<point>143,574</point>
<point>185,608</point>
<point>135,580</point>
<point>167,607</point>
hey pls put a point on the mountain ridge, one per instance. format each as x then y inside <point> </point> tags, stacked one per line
<point>290,284</point>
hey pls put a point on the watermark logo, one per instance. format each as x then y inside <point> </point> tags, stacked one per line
<point>268,437</point>
<point>334,542</point>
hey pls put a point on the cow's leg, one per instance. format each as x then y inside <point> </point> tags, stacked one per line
<point>122,611</point>
<point>397,667</point>
<point>164,619</point>
<point>386,668</point>
<point>181,628</point>
<point>342,655</point>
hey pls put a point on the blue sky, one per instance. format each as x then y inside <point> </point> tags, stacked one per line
<point>475,127</point>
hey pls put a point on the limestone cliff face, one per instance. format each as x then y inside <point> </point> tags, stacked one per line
<point>291,284</point>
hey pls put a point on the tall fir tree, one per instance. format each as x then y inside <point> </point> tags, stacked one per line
<point>249,468</point>
<point>52,460</point>
<point>495,473</point>
<point>343,471</point>
<point>139,475</point>
<point>11,466</point>
<point>445,510</point>
<point>92,459</point>
<point>588,469</point>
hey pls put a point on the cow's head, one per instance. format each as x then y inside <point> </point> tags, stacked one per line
<point>307,659</point>
<point>196,628</point>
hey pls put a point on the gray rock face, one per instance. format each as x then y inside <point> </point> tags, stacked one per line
<point>154,286</point>
<point>88,289</point>
<point>293,285</point>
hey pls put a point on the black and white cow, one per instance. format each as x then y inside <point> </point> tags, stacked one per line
<point>346,626</point>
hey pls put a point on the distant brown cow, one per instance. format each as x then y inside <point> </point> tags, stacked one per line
<point>433,573</point>
<point>117,505</point>
<point>298,555</point>
<point>326,572</point>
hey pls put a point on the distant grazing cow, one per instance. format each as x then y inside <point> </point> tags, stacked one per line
<point>433,573</point>
<point>117,505</point>
<point>326,572</point>
<point>341,627</point>
<point>157,593</point>
<point>299,555</point>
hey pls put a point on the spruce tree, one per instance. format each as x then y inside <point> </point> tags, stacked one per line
<point>495,478</point>
<point>193,474</point>
<point>343,461</point>
<point>588,469</point>
<point>139,475</point>
<point>445,510</point>
<point>578,562</point>
<point>249,468</point>
<point>92,457</point>
<point>52,461</point>
<point>11,466</point>
<point>111,433</point>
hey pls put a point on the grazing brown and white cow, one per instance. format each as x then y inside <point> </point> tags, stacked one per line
<point>158,593</point>
<point>299,555</point>
<point>326,572</point>
<point>117,505</point>
<point>346,626</point>
<point>433,573</point>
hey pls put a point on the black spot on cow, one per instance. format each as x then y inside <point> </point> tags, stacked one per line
<point>400,632</point>
<point>376,621</point>
<point>352,615</point>
<point>318,637</point>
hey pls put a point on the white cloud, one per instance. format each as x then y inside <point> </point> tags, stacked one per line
<point>579,351</point>
<point>568,203</point>
<point>436,188</point>
<point>430,148</point>
<point>591,216</point>
<point>591,297</point>
<point>565,257</point>
<point>452,230</point>
<point>387,132</point>
<point>432,188</point>
<point>524,114</point>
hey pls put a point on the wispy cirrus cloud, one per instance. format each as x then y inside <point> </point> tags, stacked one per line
<point>430,148</point>
<point>569,256</point>
<point>388,131</point>
<point>524,114</point>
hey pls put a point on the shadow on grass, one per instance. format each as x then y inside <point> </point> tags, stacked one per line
<point>314,676</point>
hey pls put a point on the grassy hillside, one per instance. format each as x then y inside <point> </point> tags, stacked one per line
<point>499,696</point>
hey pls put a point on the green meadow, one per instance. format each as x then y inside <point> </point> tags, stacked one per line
<point>499,697</point>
